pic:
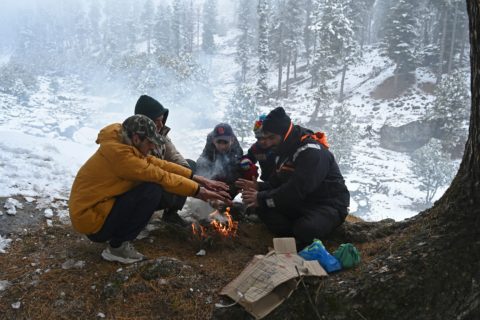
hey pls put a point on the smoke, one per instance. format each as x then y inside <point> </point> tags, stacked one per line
<point>199,209</point>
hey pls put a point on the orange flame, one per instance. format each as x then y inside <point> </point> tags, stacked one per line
<point>199,231</point>
<point>227,229</point>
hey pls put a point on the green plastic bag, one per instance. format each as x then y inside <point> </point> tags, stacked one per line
<point>348,255</point>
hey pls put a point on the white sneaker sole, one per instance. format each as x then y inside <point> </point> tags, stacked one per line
<point>113,258</point>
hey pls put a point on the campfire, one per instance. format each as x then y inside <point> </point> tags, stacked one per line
<point>218,223</point>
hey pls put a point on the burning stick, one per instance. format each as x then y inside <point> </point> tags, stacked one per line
<point>221,224</point>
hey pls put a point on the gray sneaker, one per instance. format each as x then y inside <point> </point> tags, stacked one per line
<point>126,253</point>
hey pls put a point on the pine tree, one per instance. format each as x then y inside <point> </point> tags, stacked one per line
<point>133,27</point>
<point>94,17</point>
<point>451,106</point>
<point>244,40</point>
<point>262,83</point>
<point>342,133</point>
<point>147,17</point>
<point>177,38</point>
<point>162,36</point>
<point>322,96</point>
<point>307,31</point>
<point>292,36</point>
<point>209,26</point>
<point>433,168</point>
<point>276,40</point>
<point>380,17</point>
<point>111,27</point>
<point>242,110</point>
<point>359,13</point>
<point>336,37</point>
<point>401,40</point>
<point>189,27</point>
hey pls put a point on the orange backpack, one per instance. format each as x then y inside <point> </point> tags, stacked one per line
<point>320,137</point>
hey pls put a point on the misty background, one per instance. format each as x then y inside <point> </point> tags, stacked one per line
<point>388,81</point>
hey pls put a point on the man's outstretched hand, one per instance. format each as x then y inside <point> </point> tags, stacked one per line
<point>245,184</point>
<point>249,198</point>
<point>206,195</point>
<point>211,184</point>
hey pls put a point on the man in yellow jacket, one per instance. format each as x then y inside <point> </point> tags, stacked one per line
<point>117,190</point>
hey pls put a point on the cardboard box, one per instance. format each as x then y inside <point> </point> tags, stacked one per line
<point>268,280</point>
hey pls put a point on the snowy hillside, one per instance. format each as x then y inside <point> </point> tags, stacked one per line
<point>381,181</point>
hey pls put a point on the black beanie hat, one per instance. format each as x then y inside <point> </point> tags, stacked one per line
<point>277,121</point>
<point>151,108</point>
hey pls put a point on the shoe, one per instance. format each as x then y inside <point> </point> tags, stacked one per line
<point>171,216</point>
<point>126,253</point>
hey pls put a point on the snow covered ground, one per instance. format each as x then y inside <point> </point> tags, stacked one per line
<point>47,138</point>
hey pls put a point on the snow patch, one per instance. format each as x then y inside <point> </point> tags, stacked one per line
<point>4,243</point>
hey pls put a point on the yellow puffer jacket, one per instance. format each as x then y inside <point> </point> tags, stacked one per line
<point>114,169</point>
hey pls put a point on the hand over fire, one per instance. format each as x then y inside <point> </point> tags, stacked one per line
<point>249,198</point>
<point>205,195</point>
<point>245,184</point>
<point>211,184</point>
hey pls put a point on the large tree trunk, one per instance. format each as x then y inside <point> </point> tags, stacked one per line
<point>427,267</point>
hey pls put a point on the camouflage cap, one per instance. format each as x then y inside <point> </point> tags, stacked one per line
<point>143,126</point>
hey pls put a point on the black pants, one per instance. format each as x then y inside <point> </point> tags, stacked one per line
<point>131,213</point>
<point>304,223</point>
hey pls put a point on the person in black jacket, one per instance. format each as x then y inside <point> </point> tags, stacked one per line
<point>220,157</point>
<point>306,196</point>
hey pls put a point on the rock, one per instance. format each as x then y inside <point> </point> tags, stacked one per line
<point>11,205</point>
<point>48,213</point>
<point>411,136</point>
<point>29,199</point>
<point>4,284</point>
<point>202,252</point>
<point>70,263</point>
<point>111,290</point>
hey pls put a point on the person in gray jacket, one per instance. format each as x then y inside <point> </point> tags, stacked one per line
<point>153,109</point>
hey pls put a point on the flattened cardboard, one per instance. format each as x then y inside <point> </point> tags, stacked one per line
<point>284,245</point>
<point>268,280</point>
